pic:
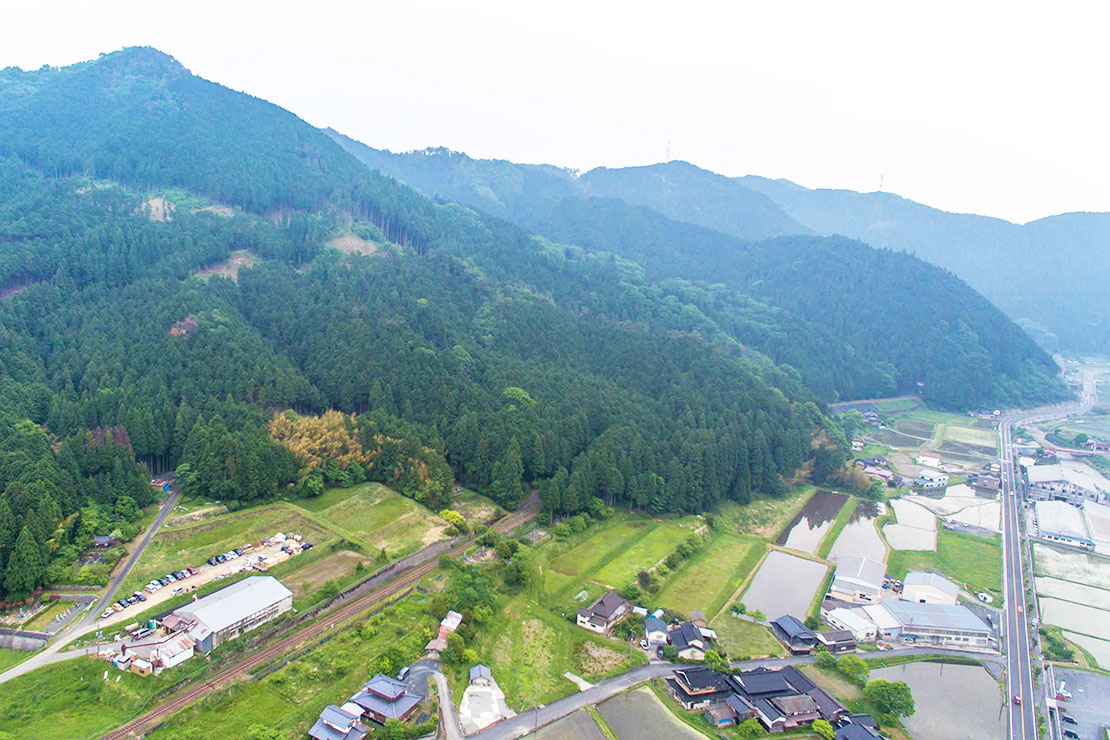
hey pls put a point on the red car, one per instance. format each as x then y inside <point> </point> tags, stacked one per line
<point>1017,701</point>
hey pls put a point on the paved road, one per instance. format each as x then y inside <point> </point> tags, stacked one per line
<point>53,652</point>
<point>527,721</point>
<point>1015,619</point>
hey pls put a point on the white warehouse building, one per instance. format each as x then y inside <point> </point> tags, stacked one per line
<point>231,611</point>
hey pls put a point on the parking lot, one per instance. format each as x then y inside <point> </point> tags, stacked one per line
<point>1087,705</point>
<point>257,558</point>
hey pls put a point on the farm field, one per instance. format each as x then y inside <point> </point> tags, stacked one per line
<point>1098,649</point>
<point>741,637</point>
<point>808,527</point>
<point>860,536</point>
<point>1081,618</point>
<point>384,519</point>
<point>587,555</point>
<point>964,558</point>
<point>529,649</point>
<point>764,517</point>
<point>767,593</point>
<point>312,576</point>
<point>954,702</point>
<point>289,699</point>
<point>178,547</point>
<point>639,714</point>
<point>577,726</point>
<point>987,438</point>
<point>1071,566</point>
<point>710,577</point>
<point>1074,592</point>
<point>916,528</point>
<point>645,553</point>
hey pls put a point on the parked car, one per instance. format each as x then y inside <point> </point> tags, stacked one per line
<point>171,577</point>
<point>404,672</point>
<point>1071,734</point>
<point>1069,720</point>
<point>107,613</point>
<point>211,561</point>
<point>221,558</point>
<point>116,607</point>
<point>131,600</point>
<point>306,546</point>
<point>164,581</point>
<point>141,597</point>
<point>659,652</point>
<point>192,570</point>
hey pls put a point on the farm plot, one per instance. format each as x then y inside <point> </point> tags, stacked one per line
<point>808,528</point>
<point>577,726</point>
<point>964,558</point>
<point>861,537</point>
<point>741,637</point>
<point>916,528</point>
<point>1081,618</point>
<point>639,713</point>
<point>784,584</point>
<point>764,517</point>
<point>333,567</point>
<point>385,519</point>
<point>529,649</point>
<point>649,550</point>
<point>1074,592</point>
<point>895,439</point>
<point>1099,649</point>
<point>175,548</point>
<point>923,429</point>
<point>708,579</point>
<point>1071,566</point>
<point>982,438</point>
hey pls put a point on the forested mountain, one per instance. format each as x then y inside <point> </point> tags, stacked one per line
<point>496,356</point>
<point>856,322</point>
<point>1049,275</point>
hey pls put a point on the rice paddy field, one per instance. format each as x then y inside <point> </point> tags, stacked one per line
<point>710,577</point>
<point>1074,591</point>
<point>784,584</point>
<point>640,714</point>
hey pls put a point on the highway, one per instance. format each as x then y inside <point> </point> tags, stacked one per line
<point>1016,629</point>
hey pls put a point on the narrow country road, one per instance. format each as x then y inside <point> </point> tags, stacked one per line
<point>529,720</point>
<point>52,653</point>
<point>449,717</point>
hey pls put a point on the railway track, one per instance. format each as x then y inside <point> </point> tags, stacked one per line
<point>328,620</point>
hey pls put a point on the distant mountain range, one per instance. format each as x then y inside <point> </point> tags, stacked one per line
<point>1047,275</point>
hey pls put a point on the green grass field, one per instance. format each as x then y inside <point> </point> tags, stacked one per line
<point>178,547</point>
<point>894,405</point>
<point>528,649</point>
<point>970,436</point>
<point>964,558</point>
<point>380,517</point>
<point>739,637</point>
<point>707,580</point>
<point>645,553</point>
<point>589,554</point>
<point>72,701</point>
<point>9,657</point>
<point>290,699</point>
<point>764,517</point>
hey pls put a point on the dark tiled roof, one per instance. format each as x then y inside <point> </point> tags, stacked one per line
<point>685,635</point>
<point>385,687</point>
<point>857,732</point>
<point>793,628</point>
<point>607,605</point>
<point>798,681</point>
<point>796,704</point>
<point>701,678</point>
<point>685,696</point>
<point>762,682</point>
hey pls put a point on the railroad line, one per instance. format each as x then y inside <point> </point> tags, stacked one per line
<point>149,721</point>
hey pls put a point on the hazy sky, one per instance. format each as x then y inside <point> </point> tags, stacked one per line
<point>995,108</point>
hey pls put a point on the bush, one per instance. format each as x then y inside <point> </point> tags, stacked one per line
<point>853,668</point>
<point>890,697</point>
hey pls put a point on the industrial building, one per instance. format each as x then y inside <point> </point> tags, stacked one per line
<point>1073,482</point>
<point>940,625</point>
<point>929,588</point>
<point>231,611</point>
<point>858,580</point>
<point>1057,521</point>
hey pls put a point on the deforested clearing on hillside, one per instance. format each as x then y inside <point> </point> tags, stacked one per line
<point>353,244</point>
<point>230,267</point>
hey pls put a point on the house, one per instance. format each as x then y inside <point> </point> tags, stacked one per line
<point>164,651</point>
<point>793,634</point>
<point>857,625</point>
<point>940,625</point>
<point>931,479</point>
<point>837,641</point>
<point>480,675</point>
<point>655,631</point>
<point>857,445</point>
<point>858,580</point>
<point>231,611</point>
<point>929,588</point>
<point>688,641</point>
<point>784,699</point>
<point>698,687</point>
<point>338,723</point>
<point>875,461</point>
<point>987,483</point>
<point>721,715</point>
<point>928,461</point>
<point>601,615</point>
<point>383,698</point>
<point>451,622</point>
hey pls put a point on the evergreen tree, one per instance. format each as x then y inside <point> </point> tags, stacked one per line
<point>26,568</point>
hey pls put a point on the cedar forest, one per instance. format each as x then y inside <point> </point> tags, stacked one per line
<point>466,349</point>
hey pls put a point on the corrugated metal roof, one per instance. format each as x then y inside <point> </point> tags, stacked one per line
<point>942,616</point>
<point>236,602</point>
<point>936,580</point>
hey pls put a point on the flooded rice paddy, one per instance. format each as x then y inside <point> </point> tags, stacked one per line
<point>785,584</point>
<point>861,536</point>
<point>954,702</point>
<point>808,528</point>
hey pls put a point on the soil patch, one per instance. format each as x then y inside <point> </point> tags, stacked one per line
<point>158,209</point>
<point>351,244</point>
<point>230,267</point>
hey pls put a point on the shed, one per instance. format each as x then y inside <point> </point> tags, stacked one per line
<point>141,667</point>
<point>481,675</point>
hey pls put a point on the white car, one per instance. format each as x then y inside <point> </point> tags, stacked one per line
<point>107,613</point>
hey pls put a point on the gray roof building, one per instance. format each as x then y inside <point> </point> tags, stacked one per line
<point>336,723</point>
<point>383,698</point>
<point>235,609</point>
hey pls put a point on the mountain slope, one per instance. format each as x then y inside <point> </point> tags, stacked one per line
<point>1064,255</point>
<point>884,325</point>
<point>469,344</point>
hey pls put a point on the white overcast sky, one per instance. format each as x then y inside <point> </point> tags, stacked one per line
<point>994,108</point>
